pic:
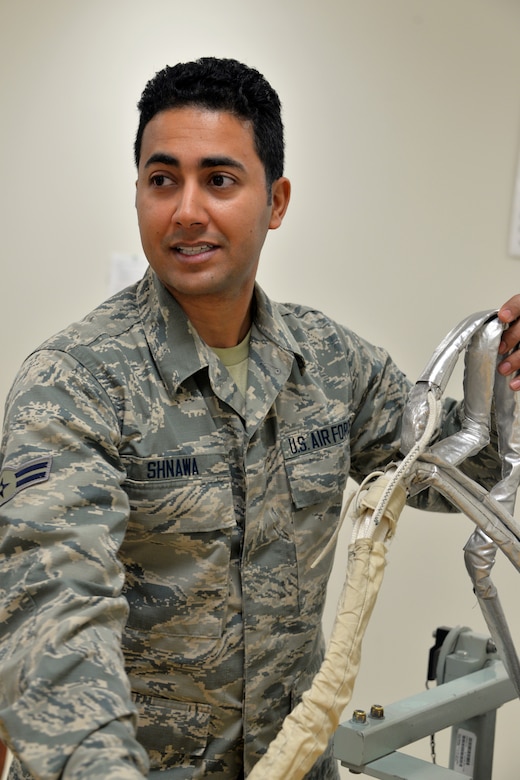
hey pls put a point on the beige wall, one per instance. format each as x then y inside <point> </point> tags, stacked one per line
<point>403,130</point>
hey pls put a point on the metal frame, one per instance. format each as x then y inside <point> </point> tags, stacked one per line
<point>473,683</point>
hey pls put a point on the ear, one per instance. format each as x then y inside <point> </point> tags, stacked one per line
<point>280,196</point>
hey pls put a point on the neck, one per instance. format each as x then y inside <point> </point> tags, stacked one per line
<point>219,323</point>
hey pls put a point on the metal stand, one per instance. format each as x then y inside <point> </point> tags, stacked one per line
<point>472,684</point>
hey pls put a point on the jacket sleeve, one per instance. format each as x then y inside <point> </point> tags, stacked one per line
<point>380,393</point>
<point>65,704</point>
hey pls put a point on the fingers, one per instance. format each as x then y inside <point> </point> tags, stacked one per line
<point>509,313</point>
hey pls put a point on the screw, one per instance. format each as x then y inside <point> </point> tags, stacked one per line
<point>377,711</point>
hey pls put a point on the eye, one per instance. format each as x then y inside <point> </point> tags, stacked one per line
<point>220,180</point>
<point>160,180</point>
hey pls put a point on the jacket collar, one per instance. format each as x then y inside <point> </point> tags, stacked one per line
<point>178,350</point>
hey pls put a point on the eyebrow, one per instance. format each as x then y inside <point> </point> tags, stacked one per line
<point>206,162</point>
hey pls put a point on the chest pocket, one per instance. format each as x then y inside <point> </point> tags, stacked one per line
<point>316,464</point>
<point>177,548</point>
<point>316,467</point>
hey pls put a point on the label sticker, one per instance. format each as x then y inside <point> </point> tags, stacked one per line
<point>465,749</point>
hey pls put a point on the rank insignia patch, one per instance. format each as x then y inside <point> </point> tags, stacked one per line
<point>31,473</point>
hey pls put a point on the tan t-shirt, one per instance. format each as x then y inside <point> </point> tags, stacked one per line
<point>236,360</point>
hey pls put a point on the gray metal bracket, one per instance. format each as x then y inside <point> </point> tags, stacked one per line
<point>400,765</point>
<point>467,702</point>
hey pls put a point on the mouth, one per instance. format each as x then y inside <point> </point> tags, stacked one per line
<point>187,250</point>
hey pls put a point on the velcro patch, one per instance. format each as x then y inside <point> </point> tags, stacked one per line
<point>317,439</point>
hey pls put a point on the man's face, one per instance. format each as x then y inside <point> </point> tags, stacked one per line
<point>202,203</point>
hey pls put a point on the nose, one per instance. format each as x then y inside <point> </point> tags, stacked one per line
<point>189,207</point>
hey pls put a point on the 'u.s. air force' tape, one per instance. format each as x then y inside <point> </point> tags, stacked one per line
<point>30,473</point>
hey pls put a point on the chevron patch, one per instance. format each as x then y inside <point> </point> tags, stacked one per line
<point>31,473</point>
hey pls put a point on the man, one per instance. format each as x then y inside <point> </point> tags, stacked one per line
<point>173,464</point>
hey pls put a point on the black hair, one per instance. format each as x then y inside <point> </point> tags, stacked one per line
<point>220,85</point>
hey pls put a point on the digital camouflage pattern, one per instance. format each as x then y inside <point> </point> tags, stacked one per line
<point>158,530</point>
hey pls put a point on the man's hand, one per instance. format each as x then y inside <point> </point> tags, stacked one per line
<point>509,347</point>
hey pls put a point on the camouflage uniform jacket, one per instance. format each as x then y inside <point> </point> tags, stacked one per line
<point>158,532</point>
